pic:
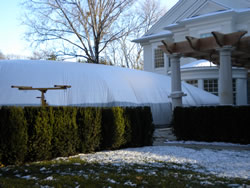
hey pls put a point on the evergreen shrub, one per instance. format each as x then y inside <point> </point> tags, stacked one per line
<point>113,128</point>
<point>13,135</point>
<point>65,139</point>
<point>119,128</point>
<point>89,129</point>
<point>148,126</point>
<point>212,124</point>
<point>41,133</point>
<point>136,127</point>
<point>139,126</point>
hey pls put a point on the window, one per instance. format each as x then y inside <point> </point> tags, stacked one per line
<point>211,86</point>
<point>158,58</point>
<point>193,82</point>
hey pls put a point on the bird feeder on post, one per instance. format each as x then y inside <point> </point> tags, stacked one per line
<point>43,91</point>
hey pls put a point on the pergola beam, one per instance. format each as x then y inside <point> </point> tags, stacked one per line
<point>226,50</point>
<point>193,42</point>
<point>231,39</point>
<point>205,48</point>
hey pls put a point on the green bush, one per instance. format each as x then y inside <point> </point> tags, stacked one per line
<point>13,138</point>
<point>128,129</point>
<point>113,128</point>
<point>107,129</point>
<point>135,126</point>
<point>140,126</point>
<point>119,128</point>
<point>65,131</point>
<point>89,126</point>
<point>219,123</point>
<point>148,126</point>
<point>40,133</point>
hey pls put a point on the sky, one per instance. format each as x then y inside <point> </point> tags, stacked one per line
<point>12,31</point>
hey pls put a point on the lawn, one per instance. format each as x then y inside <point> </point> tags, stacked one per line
<point>75,172</point>
<point>162,166</point>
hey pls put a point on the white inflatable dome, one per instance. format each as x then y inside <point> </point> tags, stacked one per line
<point>93,85</point>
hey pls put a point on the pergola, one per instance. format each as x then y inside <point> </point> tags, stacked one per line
<point>225,50</point>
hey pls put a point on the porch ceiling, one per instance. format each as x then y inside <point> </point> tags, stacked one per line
<point>208,48</point>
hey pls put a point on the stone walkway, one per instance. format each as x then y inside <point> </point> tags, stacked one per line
<point>163,135</point>
<point>214,147</point>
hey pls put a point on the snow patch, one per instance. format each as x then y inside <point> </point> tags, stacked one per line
<point>111,181</point>
<point>129,183</point>
<point>42,169</point>
<point>50,178</point>
<point>222,163</point>
<point>198,64</point>
<point>27,177</point>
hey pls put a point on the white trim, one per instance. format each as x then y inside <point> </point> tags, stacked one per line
<point>146,38</point>
<point>165,16</point>
<point>205,4</point>
<point>210,73</point>
<point>218,3</point>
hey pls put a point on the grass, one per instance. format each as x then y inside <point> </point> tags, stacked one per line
<point>77,173</point>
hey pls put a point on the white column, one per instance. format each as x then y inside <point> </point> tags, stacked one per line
<point>176,93</point>
<point>241,91</point>
<point>201,84</point>
<point>225,76</point>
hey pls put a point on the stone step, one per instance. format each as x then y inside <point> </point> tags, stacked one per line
<point>161,135</point>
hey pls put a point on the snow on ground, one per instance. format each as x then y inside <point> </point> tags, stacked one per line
<point>222,163</point>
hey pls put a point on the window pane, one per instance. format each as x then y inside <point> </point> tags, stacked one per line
<point>211,86</point>
<point>159,58</point>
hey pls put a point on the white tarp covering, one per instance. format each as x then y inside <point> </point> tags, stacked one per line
<point>93,85</point>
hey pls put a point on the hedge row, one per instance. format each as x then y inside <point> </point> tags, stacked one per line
<point>41,133</point>
<point>219,123</point>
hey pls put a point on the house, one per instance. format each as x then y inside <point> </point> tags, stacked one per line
<point>198,18</point>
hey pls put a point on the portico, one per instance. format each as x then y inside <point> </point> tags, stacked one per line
<point>225,50</point>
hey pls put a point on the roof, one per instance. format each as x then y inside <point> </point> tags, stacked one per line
<point>198,64</point>
<point>145,38</point>
<point>208,16</point>
<point>233,4</point>
<point>191,10</point>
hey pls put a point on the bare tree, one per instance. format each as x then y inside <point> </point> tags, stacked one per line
<point>11,56</point>
<point>44,55</point>
<point>2,56</point>
<point>81,28</point>
<point>14,56</point>
<point>142,17</point>
<point>150,11</point>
